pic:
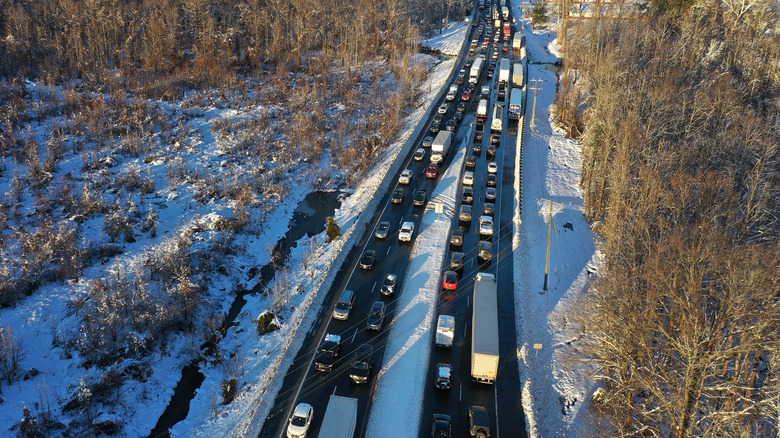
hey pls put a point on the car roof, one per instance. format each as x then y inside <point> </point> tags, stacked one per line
<point>409,224</point>
<point>302,409</point>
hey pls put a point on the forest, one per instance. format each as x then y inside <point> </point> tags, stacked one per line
<point>678,114</point>
<point>98,101</point>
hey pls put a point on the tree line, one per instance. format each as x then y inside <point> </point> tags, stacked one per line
<point>678,114</point>
<point>205,42</point>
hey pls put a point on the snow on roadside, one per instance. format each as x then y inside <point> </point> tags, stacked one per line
<point>265,360</point>
<point>401,380</point>
<point>449,41</point>
<point>554,392</point>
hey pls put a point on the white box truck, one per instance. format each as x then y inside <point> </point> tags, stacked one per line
<point>517,74</point>
<point>445,331</point>
<point>476,70</point>
<point>440,146</point>
<point>340,418</point>
<point>515,103</point>
<point>504,70</point>
<point>484,329</point>
<point>517,41</point>
<point>482,109</point>
<point>498,112</point>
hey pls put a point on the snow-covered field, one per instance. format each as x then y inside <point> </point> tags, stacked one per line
<point>449,41</point>
<point>265,372</point>
<point>259,363</point>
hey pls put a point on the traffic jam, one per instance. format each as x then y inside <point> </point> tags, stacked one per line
<point>476,85</point>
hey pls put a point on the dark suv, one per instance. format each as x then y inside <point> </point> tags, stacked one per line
<point>479,422</point>
<point>456,239</point>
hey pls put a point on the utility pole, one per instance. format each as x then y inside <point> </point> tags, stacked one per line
<point>547,263</point>
<point>536,88</point>
<point>549,233</point>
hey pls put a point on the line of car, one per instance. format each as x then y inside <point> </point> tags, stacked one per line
<point>362,364</point>
<point>479,421</point>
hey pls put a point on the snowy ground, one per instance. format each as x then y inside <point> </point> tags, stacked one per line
<point>258,362</point>
<point>267,359</point>
<point>449,41</point>
<point>555,394</point>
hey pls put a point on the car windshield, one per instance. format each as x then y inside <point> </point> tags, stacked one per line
<point>342,306</point>
<point>361,365</point>
<point>376,314</point>
<point>298,421</point>
<point>383,227</point>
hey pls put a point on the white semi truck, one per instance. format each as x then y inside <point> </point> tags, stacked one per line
<point>340,418</point>
<point>484,329</point>
<point>476,70</point>
<point>440,146</point>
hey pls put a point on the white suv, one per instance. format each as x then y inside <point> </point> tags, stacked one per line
<point>407,232</point>
<point>468,178</point>
<point>406,177</point>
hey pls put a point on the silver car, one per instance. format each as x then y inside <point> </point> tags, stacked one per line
<point>382,229</point>
<point>376,317</point>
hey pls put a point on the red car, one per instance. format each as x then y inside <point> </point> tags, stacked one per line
<point>450,281</point>
<point>466,95</point>
<point>432,170</point>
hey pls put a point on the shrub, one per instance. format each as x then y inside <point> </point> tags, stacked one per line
<point>229,390</point>
<point>332,229</point>
<point>266,323</point>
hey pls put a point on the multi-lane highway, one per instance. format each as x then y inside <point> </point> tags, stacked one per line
<point>304,383</point>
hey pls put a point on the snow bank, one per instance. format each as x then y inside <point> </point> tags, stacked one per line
<point>449,41</point>
<point>401,380</point>
<point>554,392</point>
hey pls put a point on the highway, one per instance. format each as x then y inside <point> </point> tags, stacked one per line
<point>503,399</point>
<point>304,384</point>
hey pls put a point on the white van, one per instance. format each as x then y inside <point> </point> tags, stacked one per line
<point>344,305</point>
<point>445,331</point>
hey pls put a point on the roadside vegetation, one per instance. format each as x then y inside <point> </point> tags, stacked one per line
<point>98,104</point>
<point>677,111</point>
